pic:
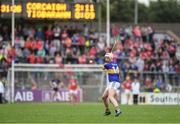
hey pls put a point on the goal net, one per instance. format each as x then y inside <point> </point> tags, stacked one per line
<point>30,82</point>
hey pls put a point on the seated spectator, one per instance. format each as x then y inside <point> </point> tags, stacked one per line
<point>158,86</point>
<point>49,34</point>
<point>69,56</point>
<point>58,58</point>
<point>31,58</point>
<point>82,59</point>
<point>81,43</point>
<point>148,86</point>
<point>92,52</point>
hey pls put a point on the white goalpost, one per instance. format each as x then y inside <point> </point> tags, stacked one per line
<point>31,82</point>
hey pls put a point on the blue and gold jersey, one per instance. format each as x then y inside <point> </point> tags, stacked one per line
<point>113,72</point>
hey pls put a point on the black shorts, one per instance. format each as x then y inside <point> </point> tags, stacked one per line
<point>55,89</point>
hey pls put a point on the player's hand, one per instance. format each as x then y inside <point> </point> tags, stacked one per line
<point>102,67</point>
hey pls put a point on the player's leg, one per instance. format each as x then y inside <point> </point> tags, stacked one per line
<point>70,97</point>
<point>128,98</point>
<point>127,93</point>
<point>105,99</point>
<point>73,98</point>
<point>106,102</point>
<point>117,95</point>
<point>113,100</point>
<point>111,94</point>
<point>53,95</point>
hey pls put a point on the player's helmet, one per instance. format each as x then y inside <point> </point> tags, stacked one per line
<point>109,55</point>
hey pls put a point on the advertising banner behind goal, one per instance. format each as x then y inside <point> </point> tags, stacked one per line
<point>43,96</point>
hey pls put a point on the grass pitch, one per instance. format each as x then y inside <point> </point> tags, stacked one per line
<point>86,113</point>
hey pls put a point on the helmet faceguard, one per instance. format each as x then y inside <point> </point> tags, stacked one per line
<point>109,55</point>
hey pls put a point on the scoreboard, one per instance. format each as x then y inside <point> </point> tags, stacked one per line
<point>49,10</point>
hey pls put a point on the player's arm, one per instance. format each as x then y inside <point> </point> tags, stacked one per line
<point>78,86</point>
<point>104,67</point>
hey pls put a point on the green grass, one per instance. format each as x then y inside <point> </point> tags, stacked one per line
<point>86,113</point>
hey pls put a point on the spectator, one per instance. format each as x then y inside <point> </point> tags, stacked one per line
<point>52,49</point>
<point>135,90</point>
<point>148,86</point>
<point>1,91</point>
<point>69,56</point>
<point>137,33</point>
<point>140,64</point>
<point>81,43</point>
<point>165,67</point>
<point>41,52</point>
<point>92,52</point>
<point>49,34</point>
<point>56,31</point>
<point>40,34</point>
<point>31,58</point>
<point>82,59</point>
<point>158,86</point>
<point>150,34</point>
<point>58,58</point>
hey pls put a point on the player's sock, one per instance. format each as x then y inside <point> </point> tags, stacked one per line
<point>107,109</point>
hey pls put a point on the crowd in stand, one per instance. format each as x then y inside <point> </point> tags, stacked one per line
<point>136,50</point>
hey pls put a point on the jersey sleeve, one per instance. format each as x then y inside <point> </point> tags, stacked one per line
<point>106,66</point>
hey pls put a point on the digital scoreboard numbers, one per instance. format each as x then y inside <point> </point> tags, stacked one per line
<point>49,10</point>
<point>6,9</point>
<point>84,11</point>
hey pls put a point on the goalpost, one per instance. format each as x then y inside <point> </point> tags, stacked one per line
<point>31,82</point>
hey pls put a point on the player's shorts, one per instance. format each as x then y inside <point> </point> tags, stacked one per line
<point>73,92</point>
<point>127,91</point>
<point>55,89</point>
<point>118,91</point>
<point>113,85</point>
